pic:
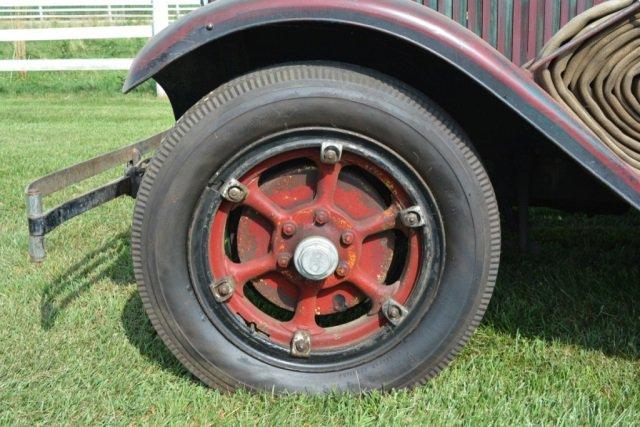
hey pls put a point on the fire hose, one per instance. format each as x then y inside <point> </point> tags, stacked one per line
<point>592,68</point>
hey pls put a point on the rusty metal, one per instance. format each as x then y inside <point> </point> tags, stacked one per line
<point>42,223</point>
<point>394,312</point>
<point>223,289</point>
<point>412,217</point>
<point>334,212</point>
<point>590,68</point>
<point>234,191</point>
<point>289,229</point>
<point>330,152</point>
<point>284,259</point>
<point>301,344</point>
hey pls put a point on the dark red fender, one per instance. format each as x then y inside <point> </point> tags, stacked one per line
<point>415,24</point>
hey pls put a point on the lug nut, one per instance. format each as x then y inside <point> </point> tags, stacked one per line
<point>321,217</point>
<point>289,229</point>
<point>224,290</point>
<point>330,153</point>
<point>284,259</point>
<point>302,346</point>
<point>343,269</point>
<point>412,218</point>
<point>394,312</point>
<point>234,191</point>
<point>236,194</point>
<point>331,156</point>
<point>347,238</point>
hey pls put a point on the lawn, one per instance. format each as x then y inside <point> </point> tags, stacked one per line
<point>560,343</point>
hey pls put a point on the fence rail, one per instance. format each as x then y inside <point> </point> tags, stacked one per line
<point>156,14</point>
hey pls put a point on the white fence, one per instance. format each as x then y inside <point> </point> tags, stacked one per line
<point>149,17</point>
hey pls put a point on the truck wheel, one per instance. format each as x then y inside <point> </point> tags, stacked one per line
<point>315,228</point>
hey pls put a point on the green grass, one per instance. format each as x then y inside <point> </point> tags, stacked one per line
<point>560,343</point>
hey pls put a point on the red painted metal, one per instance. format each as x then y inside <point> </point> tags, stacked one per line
<point>518,29</point>
<point>299,195</point>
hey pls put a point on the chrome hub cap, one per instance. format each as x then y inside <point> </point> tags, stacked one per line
<point>316,258</point>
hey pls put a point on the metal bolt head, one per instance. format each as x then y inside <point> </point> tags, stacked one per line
<point>289,229</point>
<point>330,152</point>
<point>331,155</point>
<point>235,194</point>
<point>224,289</point>
<point>321,217</point>
<point>301,344</point>
<point>209,26</point>
<point>284,259</point>
<point>234,191</point>
<point>412,218</point>
<point>343,269</point>
<point>347,238</point>
<point>394,312</point>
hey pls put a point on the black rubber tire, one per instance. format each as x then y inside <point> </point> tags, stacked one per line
<point>315,94</point>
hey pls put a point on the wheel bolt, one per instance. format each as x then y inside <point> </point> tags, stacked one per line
<point>394,312</point>
<point>347,238</point>
<point>331,156</point>
<point>224,290</point>
<point>289,229</point>
<point>343,269</point>
<point>412,218</point>
<point>321,217</point>
<point>302,346</point>
<point>284,259</point>
<point>235,194</point>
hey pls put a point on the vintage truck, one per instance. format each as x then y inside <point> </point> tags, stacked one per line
<point>325,214</point>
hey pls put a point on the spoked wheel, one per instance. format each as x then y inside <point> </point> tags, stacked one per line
<point>316,251</point>
<point>315,228</point>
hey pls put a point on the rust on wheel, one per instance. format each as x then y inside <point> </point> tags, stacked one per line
<point>319,249</point>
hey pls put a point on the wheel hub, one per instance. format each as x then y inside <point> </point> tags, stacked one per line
<point>316,258</point>
<point>316,248</point>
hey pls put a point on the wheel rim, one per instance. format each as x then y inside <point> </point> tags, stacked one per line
<point>358,204</point>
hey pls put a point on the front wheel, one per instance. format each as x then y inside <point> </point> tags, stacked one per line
<point>315,228</point>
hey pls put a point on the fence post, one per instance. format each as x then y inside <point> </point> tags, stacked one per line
<point>160,21</point>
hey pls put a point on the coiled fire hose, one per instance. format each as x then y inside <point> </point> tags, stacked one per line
<point>592,67</point>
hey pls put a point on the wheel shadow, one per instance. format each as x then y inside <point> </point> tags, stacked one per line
<point>141,334</point>
<point>112,261</point>
<point>582,287</point>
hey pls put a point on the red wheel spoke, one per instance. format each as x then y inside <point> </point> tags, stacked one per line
<point>305,315</point>
<point>383,221</point>
<point>370,286</point>
<point>328,182</point>
<point>246,271</point>
<point>262,204</point>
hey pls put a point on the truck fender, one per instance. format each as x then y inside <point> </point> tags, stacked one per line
<point>414,24</point>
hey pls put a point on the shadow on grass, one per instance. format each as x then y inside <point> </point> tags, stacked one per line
<point>141,334</point>
<point>112,261</point>
<point>582,288</point>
